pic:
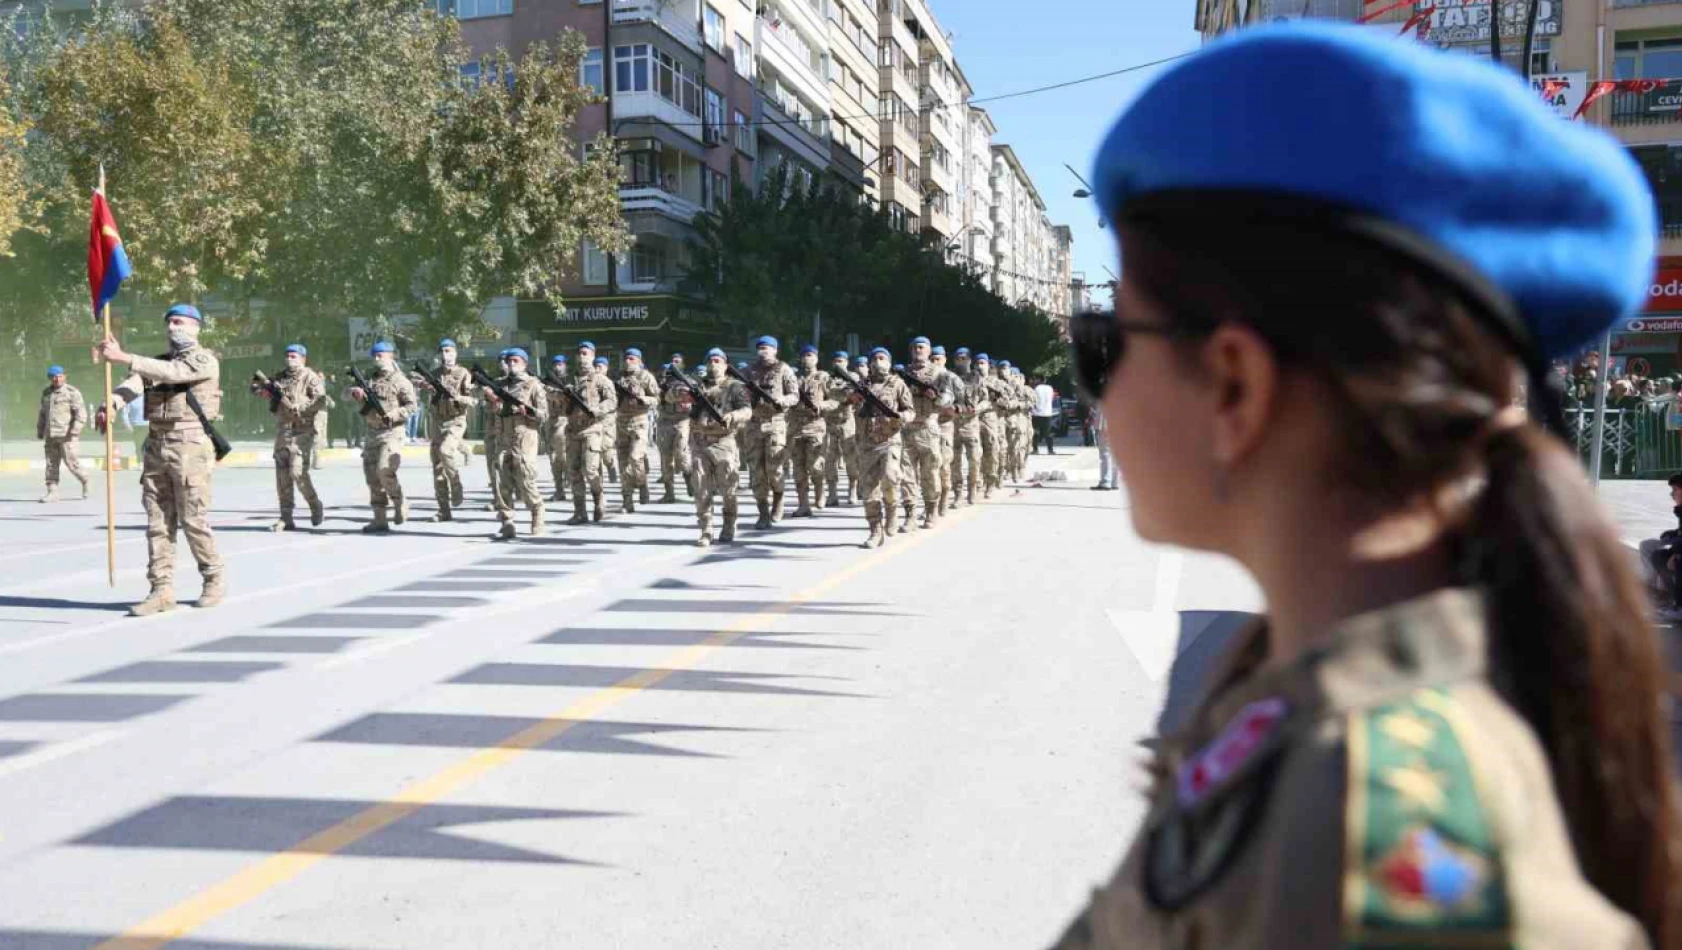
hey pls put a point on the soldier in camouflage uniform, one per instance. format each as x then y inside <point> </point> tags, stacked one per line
<point>179,458</point>
<point>671,437</point>
<point>519,424</point>
<point>717,467</point>
<point>910,495</point>
<point>839,431</point>
<point>879,446</point>
<point>1024,422</point>
<point>948,426</point>
<point>587,432</point>
<point>972,403</point>
<point>297,397</point>
<point>1010,436</point>
<point>767,433</point>
<point>930,400</point>
<point>610,454</point>
<point>993,445</point>
<point>861,371</point>
<point>59,425</point>
<point>638,392</point>
<point>807,432</point>
<point>448,425</point>
<point>491,468</point>
<point>556,433</point>
<point>385,410</point>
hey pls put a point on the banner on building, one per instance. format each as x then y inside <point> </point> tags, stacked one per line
<point>1563,92</point>
<point>1467,21</point>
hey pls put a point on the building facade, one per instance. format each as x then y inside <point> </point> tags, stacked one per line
<point>975,194</point>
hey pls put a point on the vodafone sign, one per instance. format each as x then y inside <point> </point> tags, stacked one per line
<point>1665,293</point>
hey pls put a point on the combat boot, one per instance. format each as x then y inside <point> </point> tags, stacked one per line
<point>776,505</point>
<point>443,513</point>
<point>666,497</point>
<point>51,495</point>
<point>891,514</point>
<point>729,533</point>
<point>215,591</point>
<point>578,515</point>
<point>84,489</point>
<point>906,523</point>
<point>317,513</point>
<point>705,540</point>
<point>642,494</point>
<point>285,523</point>
<point>629,505</point>
<point>597,514</point>
<point>378,525</point>
<point>689,484</point>
<point>504,533</point>
<point>764,522</point>
<point>931,517</point>
<point>455,495</point>
<point>537,526</point>
<point>158,601</point>
<point>402,513</point>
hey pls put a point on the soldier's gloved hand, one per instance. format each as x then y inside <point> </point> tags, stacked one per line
<point>99,421</point>
<point>358,393</point>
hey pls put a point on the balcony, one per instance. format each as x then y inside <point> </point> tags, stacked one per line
<point>1661,105</point>
<point>793,60</point>
<point>796,135</point>
<point>651,105</point>
<point>680,19</point>
<point>1640,3</point>
<point>808,15</point>
<point>659,199</point>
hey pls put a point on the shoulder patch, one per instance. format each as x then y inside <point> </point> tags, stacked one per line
<point>1420,860</point>
<point>1238,741</point>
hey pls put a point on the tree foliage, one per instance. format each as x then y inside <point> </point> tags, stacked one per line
<point>772,259</point>
<point>15,206</point>
<point>326,157</point>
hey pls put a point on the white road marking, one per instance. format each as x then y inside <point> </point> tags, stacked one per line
<point>1153,635</point>
<point>55,751</point>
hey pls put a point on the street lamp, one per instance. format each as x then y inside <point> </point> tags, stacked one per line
<point>1085,190</point>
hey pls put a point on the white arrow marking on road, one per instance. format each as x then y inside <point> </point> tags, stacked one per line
<point>1153,635</point>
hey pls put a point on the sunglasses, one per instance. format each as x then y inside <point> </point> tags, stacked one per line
<point>1098,341</point>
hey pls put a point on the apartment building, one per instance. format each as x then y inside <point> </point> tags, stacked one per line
<point>901,135</point>
<point>1018,220</point>
<point>1578,44</point>
<point>854,86</point>
<point>974,243</point>
<point>792,42</point>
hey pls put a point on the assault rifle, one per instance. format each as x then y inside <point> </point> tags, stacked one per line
<point>261,383</point>
<point>369,403</point>
<point>754,389</point>
<point>678,377</point>
<point>550,382</point>
<point>931,389</point>
<point>509,401</point>
<point>432,380</point>
<point>872,402</point>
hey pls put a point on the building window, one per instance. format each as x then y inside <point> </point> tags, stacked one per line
<point>713,130</point>
<point>469,74</point>
<point>718,189</point>
<point>590,70</point>
<point>595,264</point>
<point>744,57</point>
<point>630,68</point>
<point>474,9</point>
<point>1542,55</point>
<point>1648,59</point>
<point>745,141</point>
<point>643,265</point>
<point>639,68</point>
<point>712,24</point>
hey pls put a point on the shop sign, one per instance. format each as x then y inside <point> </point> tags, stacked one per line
<point>1565,91</point>
<point>246,351</point>
<point>1467,21</point>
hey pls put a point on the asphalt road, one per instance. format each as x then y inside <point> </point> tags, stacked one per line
<point>602,738</point>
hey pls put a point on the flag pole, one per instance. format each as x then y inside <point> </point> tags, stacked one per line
<point>110,466</point>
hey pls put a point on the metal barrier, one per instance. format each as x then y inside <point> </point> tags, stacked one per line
<point>1640,443</point>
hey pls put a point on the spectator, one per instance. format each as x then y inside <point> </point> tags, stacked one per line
<point>1045,412</point>
<point>1663,555</point>
<point>1107,478</point>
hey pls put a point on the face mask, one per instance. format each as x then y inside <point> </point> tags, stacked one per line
<point>810,363</point>
<point>516,369</point>
<point>180,338</point>
<point>715,370</point>
<point>382,363</point>
<point>448,357</point>
<point>767,355</point>
<point>878,371</point>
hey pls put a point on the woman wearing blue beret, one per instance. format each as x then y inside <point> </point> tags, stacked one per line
<point>1341,275</point>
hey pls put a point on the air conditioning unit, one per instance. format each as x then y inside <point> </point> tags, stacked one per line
<point>712,134</point>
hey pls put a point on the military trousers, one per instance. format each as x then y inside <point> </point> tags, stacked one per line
<point>767,450</point>
<point>806,452</point>
<point>630,445</point>
<point>382,454</point>
<point>879,477</point>
<point>293,453</point>
<point>927,457</point>
<point>446,439</point>
<point>517,469</point>
<point>175,491</point>
<point>671,438</point>
<point>992,451</point>
<point>966,461</point>
<point>61,450</point>
<point>718,473</point>
<point>948,452</point>
<point>838,454</point>
<point>492,470</point>
<point>584,463</point>
<point>557,430</point>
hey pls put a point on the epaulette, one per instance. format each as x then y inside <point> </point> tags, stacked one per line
<point>1421,864</point>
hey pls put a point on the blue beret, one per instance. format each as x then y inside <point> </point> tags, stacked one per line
<point>983,358</point>
<point>1440,157</point>
<point>938,351</point>
<point>1004,364</point>
<point>519,352</point>
<point>297,348</point>
<point>601,361</point>
<point>807,348</point>
<point>769,341</point>
<point>861,358</point>
<point>715,351</point>
<point>558,358</point>
<point>382,346</point>
<point>741,366</point>
<point>184,310</point>
<point>587,345</point>
<point>446,342</point>
<point>839,355</point>
<point>899,366</point>
<point>961,351</point>
<point>55,370</point>
<point>633,351</point>
<point>882,350</point>
<point>920,341</point>
<point>676,355</point>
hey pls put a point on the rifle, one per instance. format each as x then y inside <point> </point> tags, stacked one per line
<point>432,380</point>
<point>549,382</point>
<point>754,389</point>
<point>369,403</point>
<point>261,383</point>
<point>508,399</point>
<point>930,388</point>
<point>872,401</point>
<point>679,378</point>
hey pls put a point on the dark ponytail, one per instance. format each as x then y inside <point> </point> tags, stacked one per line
<point>1422,388</point>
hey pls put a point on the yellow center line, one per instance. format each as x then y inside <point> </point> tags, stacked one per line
<point>270,873</point>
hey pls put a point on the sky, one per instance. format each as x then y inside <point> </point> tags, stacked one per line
<point>1006,46</point>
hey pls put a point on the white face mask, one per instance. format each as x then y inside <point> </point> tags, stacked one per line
<point>447,357</point>
<point>715,370</point>
<point>180,338</point>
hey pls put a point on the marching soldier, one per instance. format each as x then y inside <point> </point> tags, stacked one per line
<point>492,469</point>
<point>557,431</point>
<point>1009,436</point>
<point>922,437</point>
<point>808,431</point>
<point>767,434</point>
<point>742,433</point>
<point>879,445</point>
<point>1024,421</point>
<point>671,437</point>
<point>519,422</point>
<point>321,442</point>
<point>182,395</point>
<point>992,424</point>
<point>839,430</point>
<point>638,392</point>
<point>908,487</point>
<point>861,371</point>
<point>948,426</point>
<point>385,409</point>
<point>58,426</point>
<point>586,433</point>
<point>971,404</point>
<point>716,462</point>
<point>610,455</point>
<point>298,397</point>
<point>449,425</point>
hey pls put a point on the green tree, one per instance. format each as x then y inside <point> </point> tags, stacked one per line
<point>16,206</point>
